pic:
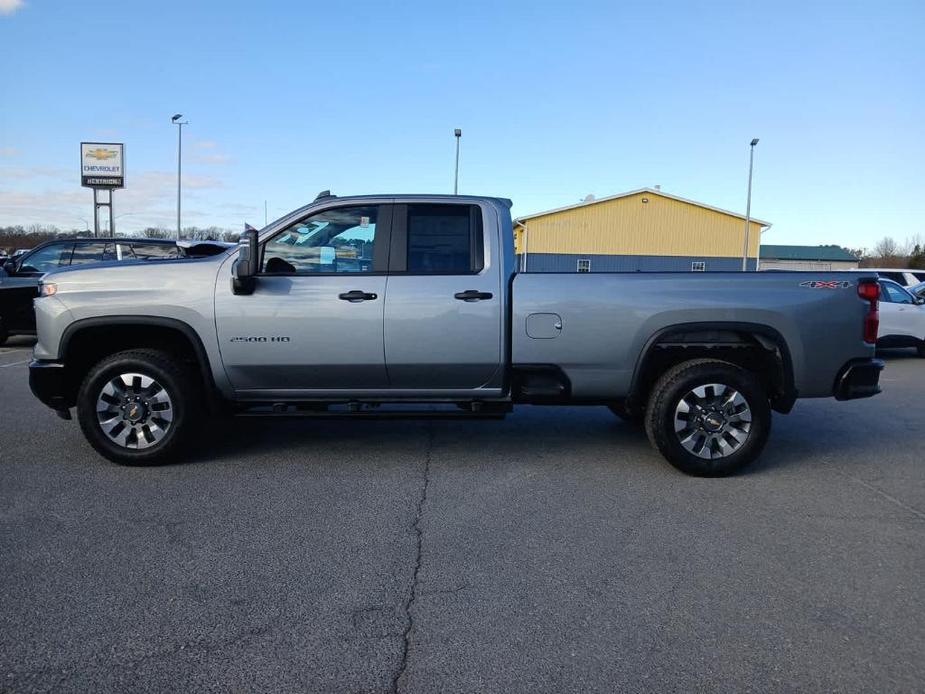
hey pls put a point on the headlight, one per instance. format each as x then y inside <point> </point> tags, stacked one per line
<point>48,289</point>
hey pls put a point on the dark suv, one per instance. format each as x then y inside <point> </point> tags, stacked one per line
<point>19,276</point>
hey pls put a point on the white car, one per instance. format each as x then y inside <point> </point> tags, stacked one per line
<point>902,317</point>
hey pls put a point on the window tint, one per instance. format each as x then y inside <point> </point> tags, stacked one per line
<point>895,276</point>
<point>338,240</point>
<point>92,253</point>
<point>444,239</point>
<point>920,276</point>
<point>47,259</point>
<point>149,251</point>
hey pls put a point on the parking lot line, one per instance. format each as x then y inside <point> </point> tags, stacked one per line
<point>15,363</point>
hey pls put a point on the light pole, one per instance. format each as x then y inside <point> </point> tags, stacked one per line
<point>176,121</point>
<point>112,232</point>
<point>748,205</point>
<point>458,134</point>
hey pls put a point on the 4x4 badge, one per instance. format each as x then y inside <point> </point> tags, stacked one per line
<point>826,284</point>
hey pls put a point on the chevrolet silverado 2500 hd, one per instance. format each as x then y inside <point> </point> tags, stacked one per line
<point>351,305</point>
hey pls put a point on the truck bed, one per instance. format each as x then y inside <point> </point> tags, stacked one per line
<point>608,319</point>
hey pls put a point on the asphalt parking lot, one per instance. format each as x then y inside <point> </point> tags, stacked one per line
<point>554,551</point>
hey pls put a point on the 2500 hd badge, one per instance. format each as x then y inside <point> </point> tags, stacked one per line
<point>261,338</point>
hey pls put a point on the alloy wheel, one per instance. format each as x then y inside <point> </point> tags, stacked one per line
<point>134,411</point>
<point>712,420</point>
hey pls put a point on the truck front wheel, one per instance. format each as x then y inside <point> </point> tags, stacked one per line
<point>708,418</point>
<point>138,407</point>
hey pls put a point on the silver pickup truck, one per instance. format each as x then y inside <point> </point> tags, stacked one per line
<point>400,305</point>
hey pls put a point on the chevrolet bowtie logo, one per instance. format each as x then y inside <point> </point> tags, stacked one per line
<point>100,153</point>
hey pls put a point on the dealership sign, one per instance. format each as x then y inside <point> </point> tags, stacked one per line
<point>102,165</point>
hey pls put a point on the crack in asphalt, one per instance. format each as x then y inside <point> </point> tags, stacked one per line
<point>413,591</point>
<point>888,497</point>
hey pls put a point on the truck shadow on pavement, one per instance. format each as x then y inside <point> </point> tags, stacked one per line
<point>816,433</point>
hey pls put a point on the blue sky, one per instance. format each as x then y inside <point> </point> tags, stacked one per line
<point>555,101</point>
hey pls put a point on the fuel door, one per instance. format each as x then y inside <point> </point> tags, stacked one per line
<point>544,326</point>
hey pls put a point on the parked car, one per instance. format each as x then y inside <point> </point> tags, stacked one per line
<point>918,289</point>
<point>902,317</point>
<point>905,278</point>
<point>20,273</point>
<point>441,319</point>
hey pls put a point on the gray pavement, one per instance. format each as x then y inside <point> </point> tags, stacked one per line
<point>551,552</point>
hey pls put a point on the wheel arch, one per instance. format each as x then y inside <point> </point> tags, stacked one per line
<point>731,341</point>
<point>80,345</point>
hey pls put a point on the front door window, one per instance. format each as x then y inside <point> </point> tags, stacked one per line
<point>334,241</point>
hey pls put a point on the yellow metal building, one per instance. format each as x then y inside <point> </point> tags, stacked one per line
<point>644,230</point>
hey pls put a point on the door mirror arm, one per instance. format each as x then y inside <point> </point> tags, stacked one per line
<point>244,272</point>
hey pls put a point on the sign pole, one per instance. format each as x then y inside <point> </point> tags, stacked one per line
<point>96,215</point>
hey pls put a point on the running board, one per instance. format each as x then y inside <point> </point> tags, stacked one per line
<point>355,411</point>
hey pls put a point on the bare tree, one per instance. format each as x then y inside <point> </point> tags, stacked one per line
<point>887,248</point>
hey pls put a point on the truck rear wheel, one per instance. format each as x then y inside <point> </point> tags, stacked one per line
<point>138,407</point>
<point>708,418</point>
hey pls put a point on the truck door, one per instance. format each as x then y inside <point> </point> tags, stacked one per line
<point>314,321</point>
<point>443,312</point>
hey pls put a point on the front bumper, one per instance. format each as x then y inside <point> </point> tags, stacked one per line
<point>859,378</point>
<point>49,383</point>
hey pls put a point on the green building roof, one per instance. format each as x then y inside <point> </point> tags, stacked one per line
<point>817,253</point>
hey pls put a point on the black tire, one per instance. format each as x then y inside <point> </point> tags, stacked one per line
<point>4,336</point>
<point>634,417</point>
<point>663,412</point>
<point>920,348</point>
<point>184,399</point>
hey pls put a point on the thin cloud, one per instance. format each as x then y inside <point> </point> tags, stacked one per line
<point>25,173</point>
<point>205,144</point>
<point>9,152</point>
<point>216,158</point>
<point>10,6</point>
<point>149,196</point>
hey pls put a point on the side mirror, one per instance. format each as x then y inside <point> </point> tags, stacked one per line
<point>919,300</point>
<point>244,279</point>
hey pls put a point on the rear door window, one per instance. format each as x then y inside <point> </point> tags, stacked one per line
<point>92,253</point>
<point>444,239</point>
<point>150,251</point>
<point>895,276</point>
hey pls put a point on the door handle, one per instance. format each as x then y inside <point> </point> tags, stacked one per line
<point>357,296</point>
<point>472,295</point>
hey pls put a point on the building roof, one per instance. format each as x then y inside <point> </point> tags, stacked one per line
<point>650,191</point>
<point>817,253</point>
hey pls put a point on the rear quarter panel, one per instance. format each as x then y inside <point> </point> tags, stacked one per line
<point>609,319</point>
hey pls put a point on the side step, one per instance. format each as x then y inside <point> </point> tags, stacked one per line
<point>357,410</point>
